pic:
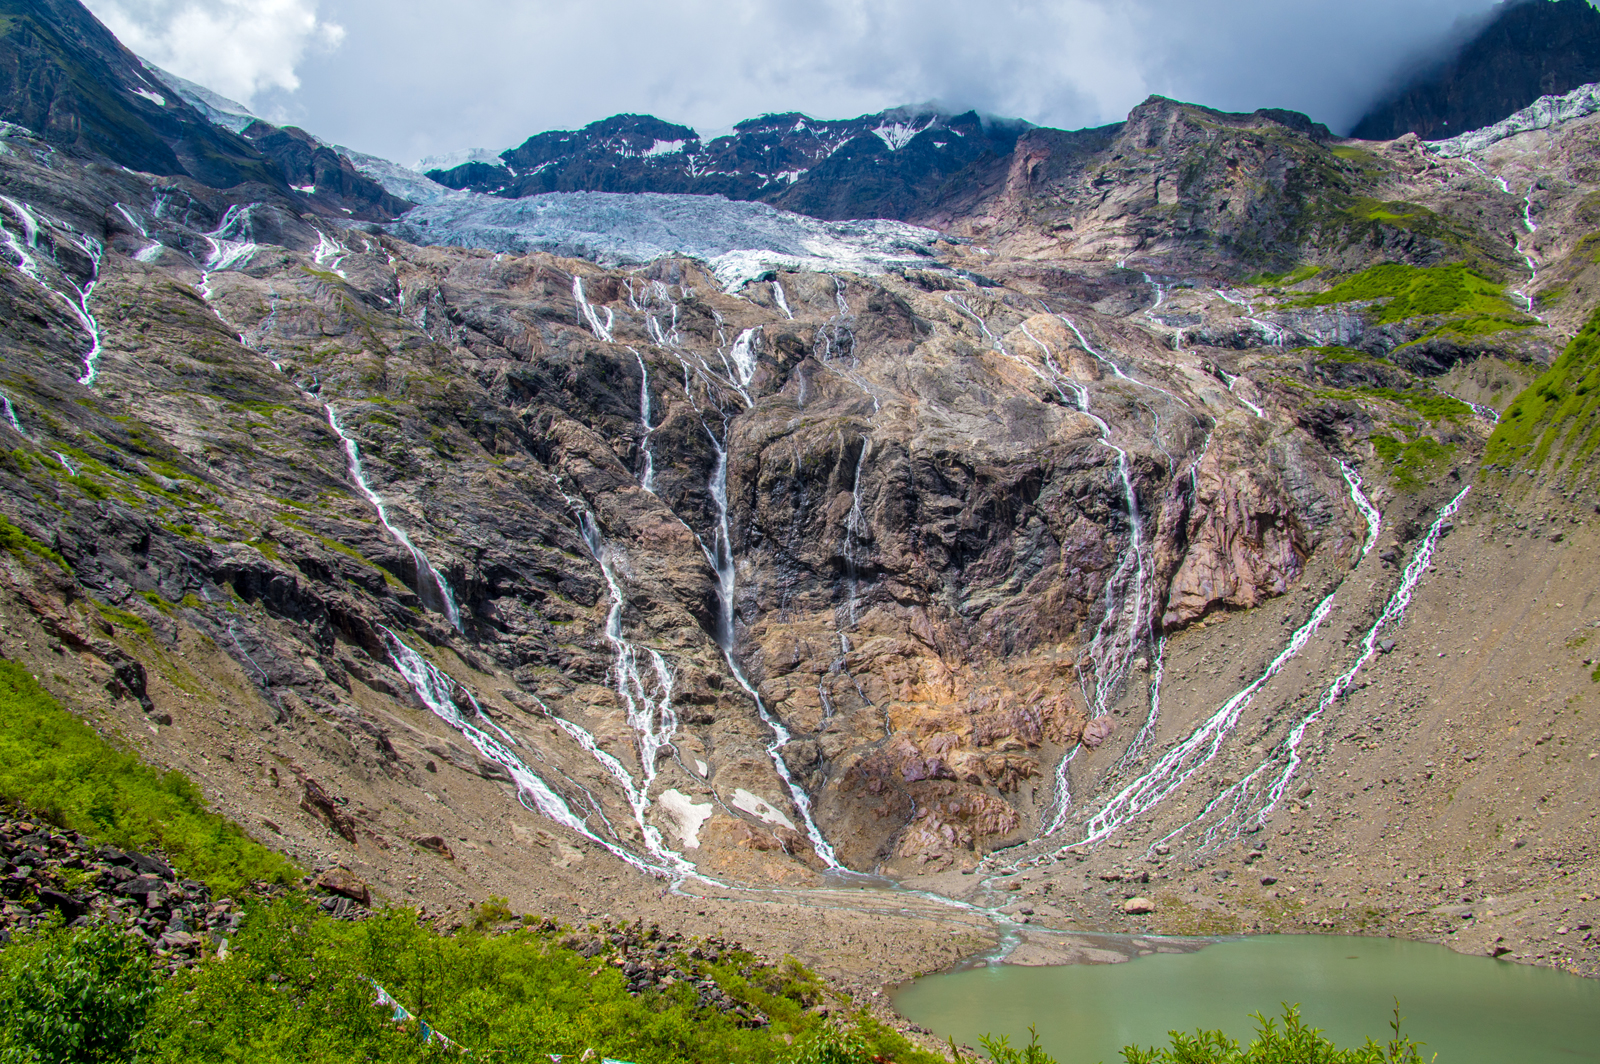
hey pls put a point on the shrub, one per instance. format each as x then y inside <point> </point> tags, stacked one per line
<point>73,997</point>
<point>1294,1043</point>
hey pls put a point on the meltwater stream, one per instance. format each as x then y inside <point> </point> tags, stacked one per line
<point>431,583</point>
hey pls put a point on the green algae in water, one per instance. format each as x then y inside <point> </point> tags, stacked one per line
<point>1469,1010</point>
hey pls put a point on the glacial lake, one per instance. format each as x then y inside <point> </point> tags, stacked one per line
<point>1469,1010</point>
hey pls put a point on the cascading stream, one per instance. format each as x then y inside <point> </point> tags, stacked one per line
<point>651,716</point>
<point>150,251</point>
<point>720,555</point>
<point>437,692</point>
<point>78,302</point>
<point>601,330</point>
<point>1124,626</point>
<point>427,576</point>
<point>1374,519</point>
<point>1230,380</point>
<point>1202,746</point>
<point>647,479</point>
<point>1253,798</point>
<point>11,415</point>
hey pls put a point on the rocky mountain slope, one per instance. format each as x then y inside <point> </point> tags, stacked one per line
<point>1524,50</point>
<point>1126,515</point>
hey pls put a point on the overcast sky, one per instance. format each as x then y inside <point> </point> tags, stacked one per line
<point>404,78</point>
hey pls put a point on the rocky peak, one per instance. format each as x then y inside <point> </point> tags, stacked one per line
<point>1528,49</point>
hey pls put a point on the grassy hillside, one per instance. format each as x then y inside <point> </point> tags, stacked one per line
<point>1555,423</point>
<point>57,767</point>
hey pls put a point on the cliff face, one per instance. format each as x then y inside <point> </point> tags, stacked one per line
<point>1529,49</point>
<point>510,572</point>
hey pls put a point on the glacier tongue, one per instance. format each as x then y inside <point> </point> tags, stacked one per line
<point>740,241</point>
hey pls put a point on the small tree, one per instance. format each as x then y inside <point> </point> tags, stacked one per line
<point>73,997</point>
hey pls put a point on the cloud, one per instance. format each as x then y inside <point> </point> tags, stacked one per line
<point>414,79</point>
<point>239,48</point>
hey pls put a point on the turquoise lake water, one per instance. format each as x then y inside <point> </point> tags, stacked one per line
<point>1469,1010</point>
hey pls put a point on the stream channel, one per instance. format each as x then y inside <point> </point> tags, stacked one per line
<point>1468,1010</point>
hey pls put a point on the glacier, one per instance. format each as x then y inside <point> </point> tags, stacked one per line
<point>740,241</point>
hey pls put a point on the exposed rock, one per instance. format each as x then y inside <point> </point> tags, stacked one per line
<point>1138,906</point>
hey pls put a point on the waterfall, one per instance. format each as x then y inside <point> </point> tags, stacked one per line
<point>232,241</point>
<point>329,252</point>
<point>782,301</point>
<point>149,252</point>
<point>427,576</point>
<point>854,524</point>
<point>1368,511</point>
<point>1231,380</point>
<point>601,331</point>
<point>1253,798</point>
<point>1199,749</point>
<point>1124,626</point>
<point>11,414</point>
<point>653,719</point>
<point>78,302</point>
<point>647,480</point>
<point>1147,733</point>
<point>437,692</point>
<point>720,555</point>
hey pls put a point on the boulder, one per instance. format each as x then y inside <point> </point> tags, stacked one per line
<point>340,880</point>
<point>1138,906</point>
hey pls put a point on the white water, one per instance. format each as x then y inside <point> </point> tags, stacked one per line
<point>648,706</point>
<point>782,301</point>
<point>1177,765</point>
<point>1230,381</point>
<point>855,523</point>
<point>78,302</point>
<point>1147,733</point>
<point>647,480</point>
<point>150,251</point>
<point>743,355</point>
<point>601,330</point>
<point>232,242</point>
<point>1124,626</point>
<point>329,252</point>
<point>1368,511</point>
<point>1272,332</point>
<point>426,573</point>
<point>720,555</point>
<point>11,414</point>
<point>437,692</point>
<point>1233,807</point>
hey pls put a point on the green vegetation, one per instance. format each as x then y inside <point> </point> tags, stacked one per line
<point>17,542</point>
<point>1286,279</point>
<point>1293,1043</point>
<point>1558,415</point>
<point>1412,462</point>
<point>58,767</point>
<point>1478,305</point>
<point>74,996</point>
<point>299,986</point>
<point>1431,405</point>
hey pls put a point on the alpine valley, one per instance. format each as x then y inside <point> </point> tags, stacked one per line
<point>868,539</point>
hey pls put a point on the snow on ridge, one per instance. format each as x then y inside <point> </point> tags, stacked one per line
<point>217,108</point>
<point>739,240</point>
<point>1543,113</point>
<point>452,159</point>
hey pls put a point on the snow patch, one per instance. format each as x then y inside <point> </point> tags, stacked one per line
<point>218,109</point>
<point>452,159</point>
<point>687,816</point>
<point>664,147</point>
<point>154,97</point>
<point>757,806</point>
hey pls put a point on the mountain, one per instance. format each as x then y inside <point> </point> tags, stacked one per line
<point>1529,49</point>
<point>1203,509</point>
<point>896,164</point>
